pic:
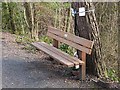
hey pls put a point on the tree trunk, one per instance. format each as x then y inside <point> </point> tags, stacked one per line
<point>11,18</point>
<point>59,13</point>
<point>69,22</point>
<point>97,54</point>
<point>32,9</point>
<point>56,18</point>
<point>86,27</point>
<point>27,15</point>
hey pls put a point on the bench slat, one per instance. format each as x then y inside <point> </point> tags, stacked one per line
<point>84,49</point>
<point>62,54</point>
<point>52,54</point>
<point>71,37</point>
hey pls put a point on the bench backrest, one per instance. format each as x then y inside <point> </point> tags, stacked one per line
<point>79,43</point>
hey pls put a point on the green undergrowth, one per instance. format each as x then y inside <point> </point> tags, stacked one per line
<point>26,41</point>
<point>112,75</point>
<point>23,39</point>
<point>66,48</point>
<point>46,39</point>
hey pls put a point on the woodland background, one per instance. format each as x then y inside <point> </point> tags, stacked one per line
<point>28,21</point>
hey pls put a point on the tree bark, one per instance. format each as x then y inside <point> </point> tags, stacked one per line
<point>97,54</point>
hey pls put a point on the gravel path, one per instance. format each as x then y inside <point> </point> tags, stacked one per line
<point>22,69</point>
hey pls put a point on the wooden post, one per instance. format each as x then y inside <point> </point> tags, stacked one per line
<point>83,67</point>
<point>55,43</point>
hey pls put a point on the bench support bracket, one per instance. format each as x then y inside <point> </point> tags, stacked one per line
<point>55,43</point>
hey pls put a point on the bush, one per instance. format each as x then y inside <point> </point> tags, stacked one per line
<point>66,48</point>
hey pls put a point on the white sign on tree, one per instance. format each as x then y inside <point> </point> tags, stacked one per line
<point>82,11</point>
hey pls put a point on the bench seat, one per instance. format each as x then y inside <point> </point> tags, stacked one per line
<point>58,55</point>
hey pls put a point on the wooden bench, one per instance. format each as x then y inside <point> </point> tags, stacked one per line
<point>79,43</point>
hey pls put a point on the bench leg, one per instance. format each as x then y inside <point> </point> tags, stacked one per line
<point>83,67</point>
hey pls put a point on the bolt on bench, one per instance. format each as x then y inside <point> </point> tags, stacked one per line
<point>79,43</point>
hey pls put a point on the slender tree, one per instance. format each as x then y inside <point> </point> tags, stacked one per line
<point>118,40</point>
<point>10,9</point>
<point>27,16</point>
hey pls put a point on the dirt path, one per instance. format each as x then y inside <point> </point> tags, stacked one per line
<point>21,69</point>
